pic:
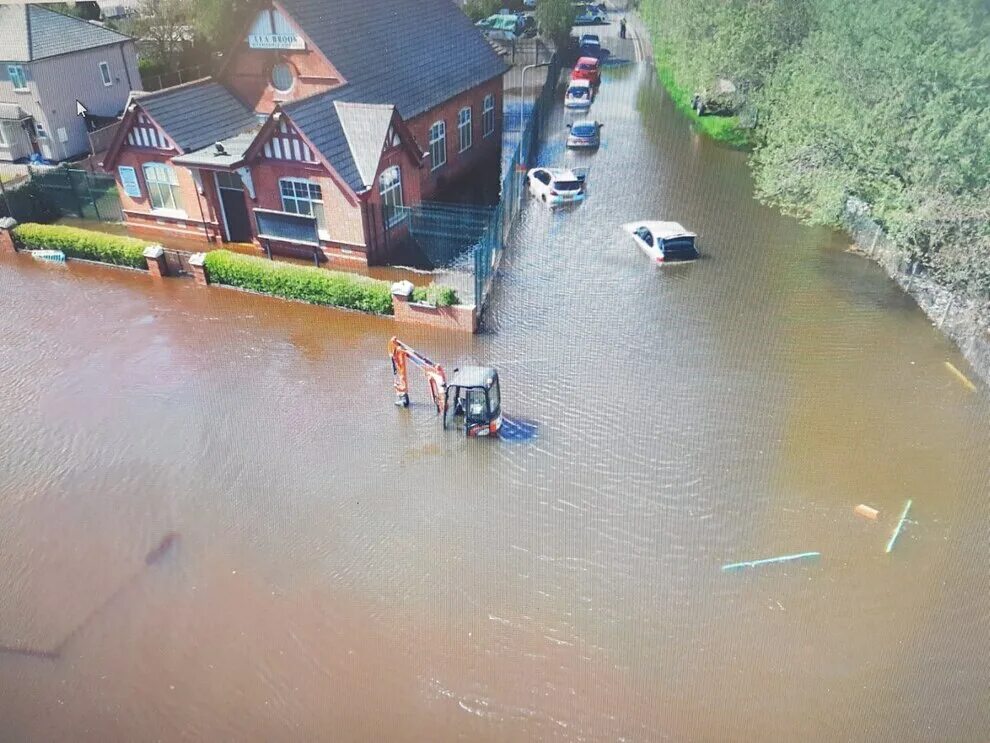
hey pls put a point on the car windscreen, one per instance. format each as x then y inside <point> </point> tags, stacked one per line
<point>586,66</point>
<point>567,185</point>
<point>577,92</point>
<point>584,130</point>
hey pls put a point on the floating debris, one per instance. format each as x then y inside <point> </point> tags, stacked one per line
<point>866,512</point>
<point>900,525</point>
<point>49,256</point>
<point>769,560</point>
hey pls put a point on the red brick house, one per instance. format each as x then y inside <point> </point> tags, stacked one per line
<point>329,120</point>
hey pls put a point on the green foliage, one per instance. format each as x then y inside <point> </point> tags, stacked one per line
<point>555,19</point>
<point>478,10</point>
<point>218,22</point>
<point>435,294</point>
<point>884,102</point>
<point>721,128</point>
<point>289,281</point>
<point>86,244</point>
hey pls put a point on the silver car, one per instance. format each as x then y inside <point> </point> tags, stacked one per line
<point>584,134</point>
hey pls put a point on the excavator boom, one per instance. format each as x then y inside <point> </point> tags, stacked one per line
<point>402,355</point>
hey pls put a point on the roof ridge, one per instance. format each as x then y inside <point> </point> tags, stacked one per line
<point>37,6</point>
<point>27,29</point>
<point>144,96</point>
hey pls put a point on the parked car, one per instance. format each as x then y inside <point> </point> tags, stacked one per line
<point>590,45</point>
<point>590,15</point>
<point>529,3</point>
<point>587,68</point>
<point>555,186</point>
<point>580,94</point>
<point>664,242</point>
<point>584,134</point>
<point>502,26</point>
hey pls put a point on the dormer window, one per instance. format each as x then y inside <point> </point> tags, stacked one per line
<point>282,77</point>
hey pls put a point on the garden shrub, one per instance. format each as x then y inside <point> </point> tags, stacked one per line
<point>305,284</point>
<point>78,243</point>
<point>435,294</point>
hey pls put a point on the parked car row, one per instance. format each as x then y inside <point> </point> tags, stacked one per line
<point>663,241</point>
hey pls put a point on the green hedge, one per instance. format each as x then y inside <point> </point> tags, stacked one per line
<point>313,285</point>
<point>441,296</point>
<point>77,243</point>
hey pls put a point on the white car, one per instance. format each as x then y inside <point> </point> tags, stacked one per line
<point>663,241</point>
<point>556,186</point>
<point>579,94</point>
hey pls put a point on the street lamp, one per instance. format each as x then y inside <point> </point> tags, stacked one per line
<point>526,69</point>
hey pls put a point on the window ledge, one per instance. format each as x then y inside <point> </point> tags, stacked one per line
<point>172,213</point>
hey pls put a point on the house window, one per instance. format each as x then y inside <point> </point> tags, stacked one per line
<point>163,187</point>
<point>17,76</point>
<point>39,130</point>
<point>438,145</point>
<point>3,135</point>
<point>390,188</point>
<point>105,74</point>
<point>464,128</point>
<point>303,197</point>
<point>488,115</point>
<point>282,79</point>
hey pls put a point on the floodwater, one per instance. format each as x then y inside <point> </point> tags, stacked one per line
<point>334,568</point>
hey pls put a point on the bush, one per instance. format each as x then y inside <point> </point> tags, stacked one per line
<point>312,285</point>
<point>478,10</point>
<point>86,244</point>
<point>435,294</point>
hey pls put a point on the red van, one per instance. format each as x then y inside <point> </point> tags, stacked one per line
<point>587,68</point>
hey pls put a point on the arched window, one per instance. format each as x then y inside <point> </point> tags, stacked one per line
<point>488,115</point>
<point>438,145</point>
<point>464,133</point>
<point>163,187</point>
<point>390,188</point>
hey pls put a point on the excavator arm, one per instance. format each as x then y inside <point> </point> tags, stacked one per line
<point>402,355</point>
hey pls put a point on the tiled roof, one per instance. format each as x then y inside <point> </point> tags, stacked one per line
<point>365,127</point>
<point>317,118</point>
<point>234,150</point>
<point>33,32</point>
<point>198,114</point>
<point>11,112</point>
<point>414,56</point>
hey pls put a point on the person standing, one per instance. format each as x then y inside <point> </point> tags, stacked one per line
<point>622,28</point>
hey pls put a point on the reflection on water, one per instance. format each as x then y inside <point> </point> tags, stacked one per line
<point>349,572</point>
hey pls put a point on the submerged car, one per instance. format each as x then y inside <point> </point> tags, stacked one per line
<point>502,27</point>
<point>587,68</point>
<point>585,133</point>
<point>555,186</point>
<point>579,94</point>
<point>664,242</point>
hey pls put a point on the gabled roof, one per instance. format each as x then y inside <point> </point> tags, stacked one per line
<point>11,112</point>
<point>413,55</point>
<point>32,32</point>
<point>197,114</point>
<point>365,127</point>
<point>235,149</point>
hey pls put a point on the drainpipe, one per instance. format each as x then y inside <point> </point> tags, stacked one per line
<point>127,72</point>
<point>198,181</point>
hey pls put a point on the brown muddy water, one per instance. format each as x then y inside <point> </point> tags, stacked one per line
<point>342,570</point>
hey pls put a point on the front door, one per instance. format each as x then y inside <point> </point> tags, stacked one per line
<point>237,221</point>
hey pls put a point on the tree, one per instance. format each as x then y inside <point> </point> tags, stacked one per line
<point>477,10</point>
<point>218,22</point>
<point>165,25</point>
<point>88,10</point>
<point>555,19</point>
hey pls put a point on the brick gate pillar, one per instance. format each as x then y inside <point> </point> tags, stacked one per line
<point>7,242</point>
<point>157,266</point>
<point>200,273</point>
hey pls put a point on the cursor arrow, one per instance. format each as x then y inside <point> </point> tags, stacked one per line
<point>81,110</point>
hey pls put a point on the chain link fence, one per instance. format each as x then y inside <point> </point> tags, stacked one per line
<point>39,194</point>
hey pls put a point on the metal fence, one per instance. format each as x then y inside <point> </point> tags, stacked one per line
<point>44,194</point>
<point>152,83</point>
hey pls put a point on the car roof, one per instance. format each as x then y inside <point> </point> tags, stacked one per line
<point>584,122</point>
<point>564,174</point>
<point>587,60</point>
<point>667,230</point>
<point>580,84</point>
<point>590,37</point>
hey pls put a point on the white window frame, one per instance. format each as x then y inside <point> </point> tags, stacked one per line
<point>488,115</point>
<point>165,191</point>
<point>105,74</point>
<point>438,145</point>
<point>291,202</point>
<point>17,70</point>
<point>465,128</point>
<point>3,135</point>
<point>390,190</point>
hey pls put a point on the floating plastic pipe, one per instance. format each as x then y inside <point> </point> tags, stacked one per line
<point>768,560</point>
<point>900,524</point>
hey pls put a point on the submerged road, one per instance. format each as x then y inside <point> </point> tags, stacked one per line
<point>344,570</point>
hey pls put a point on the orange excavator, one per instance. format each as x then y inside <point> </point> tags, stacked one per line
<point>470,399</point>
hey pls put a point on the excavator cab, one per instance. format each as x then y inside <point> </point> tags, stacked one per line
<point>473,394</point>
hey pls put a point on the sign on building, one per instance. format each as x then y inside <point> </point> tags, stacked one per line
<point>271,31</point>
